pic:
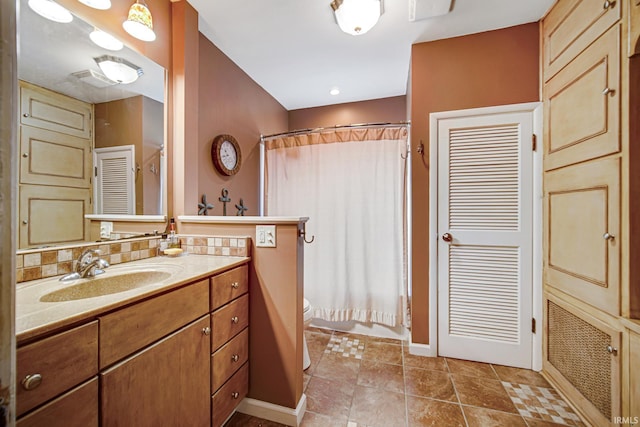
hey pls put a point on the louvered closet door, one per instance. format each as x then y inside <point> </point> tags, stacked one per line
<point>115,188</point>
<point>485,190</point>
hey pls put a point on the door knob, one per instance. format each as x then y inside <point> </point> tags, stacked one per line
<point>447,237</point>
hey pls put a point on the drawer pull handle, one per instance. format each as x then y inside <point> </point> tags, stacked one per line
<point>31,381</point>
<point>235,285</point>
<point>235,358</point>
<point>607,91</point>
<point>612,350</point>
<point>206,330</point>
<point>235,394</point>
<point>608,4</point>
<point>607,236</point>
<point>235,320</point>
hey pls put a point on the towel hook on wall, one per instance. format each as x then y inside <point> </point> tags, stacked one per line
<point>302,232</point>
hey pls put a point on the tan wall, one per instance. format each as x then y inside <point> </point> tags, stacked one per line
<point>392,109</point>
<point>487,69</point>
<point>231,103</point>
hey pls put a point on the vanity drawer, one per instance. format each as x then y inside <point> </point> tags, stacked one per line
<point>228,359</point>
<point>77,408</point>
<point>62,361</point>
<point>228,286</point>
<point>229,396</point>
<point>229,320</point>
<point>125,331</point>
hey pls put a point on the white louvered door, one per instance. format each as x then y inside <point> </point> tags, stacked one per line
<point>485,246</point>
<point>115,186</point>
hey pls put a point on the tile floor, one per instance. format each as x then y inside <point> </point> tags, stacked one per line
<point>360,381</point>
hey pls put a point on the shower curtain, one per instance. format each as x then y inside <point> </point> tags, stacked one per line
<point>350,183</point>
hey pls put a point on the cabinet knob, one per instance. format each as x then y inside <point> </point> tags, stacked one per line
<point>25,155</point>
<point>235,320</point>
<point>607,236</point>
<point>607,91</point>
<point>25,222</point>
<point>31,381</point>
<point>612,350</point>
<point>608,4</point>
<point>235,394</point>
<point>206,330</point>
<point>235,285</point>
<point>25,115</point>
<point>235,358</point>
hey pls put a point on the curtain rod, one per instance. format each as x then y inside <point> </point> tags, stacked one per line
<point>320,129</point>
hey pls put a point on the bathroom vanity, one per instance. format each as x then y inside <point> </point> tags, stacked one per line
<point>172,352</point>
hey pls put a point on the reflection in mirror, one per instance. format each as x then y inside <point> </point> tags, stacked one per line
<point>89,142</point>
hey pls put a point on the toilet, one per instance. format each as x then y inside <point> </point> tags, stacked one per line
<point>306,313</point>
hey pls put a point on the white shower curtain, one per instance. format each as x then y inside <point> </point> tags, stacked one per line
<point>350,183</point>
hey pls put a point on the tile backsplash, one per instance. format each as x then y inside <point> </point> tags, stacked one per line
<point>48,262</point>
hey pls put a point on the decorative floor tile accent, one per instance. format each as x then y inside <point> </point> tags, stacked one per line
<point>541,403</point>
<point>346,346</point>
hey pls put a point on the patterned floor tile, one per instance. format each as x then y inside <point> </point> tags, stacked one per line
<point>540,403</point>
<point>346,346</point>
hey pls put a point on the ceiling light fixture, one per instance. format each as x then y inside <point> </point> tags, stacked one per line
<point>97,4</point>
<point>118,69</point>
<point>139,22</point>
<point>105,40</point>
<point>51,10</point>
<point>356,17</point>
<point>334,91</point>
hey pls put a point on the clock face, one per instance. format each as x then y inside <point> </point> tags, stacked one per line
<point>228,155</point>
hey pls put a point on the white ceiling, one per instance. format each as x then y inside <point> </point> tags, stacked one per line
<point>297,53</point>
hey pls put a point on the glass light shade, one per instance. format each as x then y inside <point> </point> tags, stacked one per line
<point>139,23</point>
<point>97,4</point>
<point>356,17</point>
<point>105,41</point>
<point>118,69</point>
<point>51,10</point>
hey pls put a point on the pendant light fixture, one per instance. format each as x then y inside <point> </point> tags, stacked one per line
<point>97,4</point>
<point>105,40</point>
<point>139,23</point>
<point>51,10</point>
<point>356,17</point>
<point>118,69</point>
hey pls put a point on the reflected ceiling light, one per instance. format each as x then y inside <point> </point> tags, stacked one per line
<point>97,4</point>
<point>334,91</point>
<point>356,17</point>
<point>51,10</point>
<point>105,40</point>
<point>118,69</point>
<point>139,23</point>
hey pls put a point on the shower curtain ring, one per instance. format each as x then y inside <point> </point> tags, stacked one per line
<point>302,232</point>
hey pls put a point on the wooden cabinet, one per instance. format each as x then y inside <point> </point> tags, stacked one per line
<point>165,384</point>
<point>634,374</point>
<point>229,342</point>
<point>582,105</point>
<point>571,26</point>
<point>582,251</point>
<point>51,366</point>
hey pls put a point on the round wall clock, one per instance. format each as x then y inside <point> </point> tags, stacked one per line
<point>225,154</point>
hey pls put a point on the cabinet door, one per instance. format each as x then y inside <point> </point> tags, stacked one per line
<point>53,215</point>
<point>167,384</point>
<point>582,222</point>
<point>582,105</point>
<point>77,408</point>
<point>571,26</point>
<point>45,109</point>
<point>634,374</point>
<point>52,158</point>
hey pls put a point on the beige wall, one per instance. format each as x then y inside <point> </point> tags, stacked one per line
<point>393,109</point>
<point>479,70</point>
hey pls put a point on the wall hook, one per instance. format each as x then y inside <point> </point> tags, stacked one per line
<point>302,232</point>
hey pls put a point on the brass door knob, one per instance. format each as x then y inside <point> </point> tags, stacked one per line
<point>447,237</point>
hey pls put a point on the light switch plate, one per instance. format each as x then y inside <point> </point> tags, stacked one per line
<point>266,236</point>
<point>106,228</point>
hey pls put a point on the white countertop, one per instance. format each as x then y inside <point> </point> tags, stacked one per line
<point>35,317</point>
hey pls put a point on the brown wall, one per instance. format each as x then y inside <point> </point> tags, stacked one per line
<point>480,70</point>
<point>392,109</point>
<point>232,103</point>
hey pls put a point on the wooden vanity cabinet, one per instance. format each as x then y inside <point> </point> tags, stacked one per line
<point>229,342</point>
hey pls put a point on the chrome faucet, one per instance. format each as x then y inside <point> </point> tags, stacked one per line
<point>89,264</point>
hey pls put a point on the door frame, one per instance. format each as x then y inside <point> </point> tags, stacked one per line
<point>536,109</point>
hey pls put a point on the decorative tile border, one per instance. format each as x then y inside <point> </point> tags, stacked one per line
<point>48,262</point>
<point>541,403</point>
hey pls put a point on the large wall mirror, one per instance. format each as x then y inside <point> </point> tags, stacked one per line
<point>91,142</point>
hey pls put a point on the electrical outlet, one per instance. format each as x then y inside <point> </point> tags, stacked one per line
<point>106,228</point>
<point>266,236</point>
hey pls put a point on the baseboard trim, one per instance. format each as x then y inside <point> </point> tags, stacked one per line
<point>275,413</point>
<point>422,350</point>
